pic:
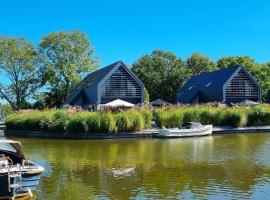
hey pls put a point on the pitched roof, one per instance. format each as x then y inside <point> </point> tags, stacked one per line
<point>204,82</point>
<point>93,79</point>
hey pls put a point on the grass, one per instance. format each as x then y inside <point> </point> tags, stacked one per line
<point>71,121</point>
<point>79,121</point>
<point>233,116</point>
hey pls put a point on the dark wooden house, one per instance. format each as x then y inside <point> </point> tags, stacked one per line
<point>227,85</point>
<point>115,81</point>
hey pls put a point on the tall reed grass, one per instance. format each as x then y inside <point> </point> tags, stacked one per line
<point>232,116</point>
<point>80,122</point>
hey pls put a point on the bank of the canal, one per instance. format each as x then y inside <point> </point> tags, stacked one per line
<point>217,130</point>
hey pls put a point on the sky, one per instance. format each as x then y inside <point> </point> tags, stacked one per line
<point>127,29</point>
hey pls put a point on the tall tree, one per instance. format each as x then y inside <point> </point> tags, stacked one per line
<point>162,73</point>
<point>68,56</point>
<point>20,65</point>
<point>198,63</point>
<point>229,61</point>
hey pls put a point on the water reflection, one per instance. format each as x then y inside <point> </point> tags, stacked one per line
<point>208,167</point>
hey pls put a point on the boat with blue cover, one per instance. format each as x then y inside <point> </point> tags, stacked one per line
<point>18,175</point>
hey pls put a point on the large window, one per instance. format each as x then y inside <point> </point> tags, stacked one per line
<point>241,86</point>
<point>121,84</point>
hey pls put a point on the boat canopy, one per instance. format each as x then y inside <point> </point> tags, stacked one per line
<point>12,146</point>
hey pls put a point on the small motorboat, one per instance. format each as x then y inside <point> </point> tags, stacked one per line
<point>190,129</point>
<point>18,175</point>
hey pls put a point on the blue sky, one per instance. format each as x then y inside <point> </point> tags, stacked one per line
<point>126,29</point>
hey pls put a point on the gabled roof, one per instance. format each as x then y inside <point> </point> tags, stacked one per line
<point>95,78</point>
<point>204,82</point>
<point>92,79</point>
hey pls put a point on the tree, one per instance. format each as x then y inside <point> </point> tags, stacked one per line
<point>260,72</point>
<point>162,73</point>
<point>146,98</point>
<point>198,63</point>
<point>68,56</point>
<point>229,61</point>
<point>20,65</point>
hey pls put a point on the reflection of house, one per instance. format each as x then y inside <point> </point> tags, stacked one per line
<point>113,82</point>
<point>228,85</point>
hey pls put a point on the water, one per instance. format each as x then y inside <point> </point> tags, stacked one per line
<point>215,167</point>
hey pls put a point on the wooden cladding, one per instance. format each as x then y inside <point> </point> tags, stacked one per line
<point>242,86</point>
<point>120,85</point>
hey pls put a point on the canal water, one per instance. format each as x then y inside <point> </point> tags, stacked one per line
<point>214,167</point>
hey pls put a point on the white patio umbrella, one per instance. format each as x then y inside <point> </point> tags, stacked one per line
<point>118,103</point>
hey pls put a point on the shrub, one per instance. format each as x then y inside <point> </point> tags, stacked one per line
<point>136,120</point>
<point>93,122</point>
<point>148,117</point>
<point>169,118</point>
<point>259,116</point>
<point>212,116</point>
<point>122,123</point>
<point>192,114</point>
<point>77,123</point>
<point>14,122</point>
<point>107,123</point>
<point>236,118</point>
<point>59,121</point>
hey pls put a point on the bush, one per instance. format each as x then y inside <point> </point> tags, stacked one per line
<point>77,123</point>
<point>148,117</point>
<point>212,116</point>
<point>93,122</point>
<point>259,116</point>
<point>192,114</point>
<point>13,122</point>
<point>169,118</point>
<point>236,118</point>
<point>122,123</point>
<point>107,123</point>
<point>59,121</point>
<point>136,120</point>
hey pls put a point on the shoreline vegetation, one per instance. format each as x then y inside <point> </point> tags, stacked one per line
<point>78,121</point>
<point>72,121</point>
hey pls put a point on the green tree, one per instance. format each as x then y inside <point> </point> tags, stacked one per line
<point>198,63</point>
<point>20,65</point>
<point>229,61</point>
<point>260,72</point>
<point>68,56</point>
<point>162,73</point>
<point>146,98</point>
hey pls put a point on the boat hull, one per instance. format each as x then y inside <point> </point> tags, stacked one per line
<point>180,133</point>
<point>29,183</point>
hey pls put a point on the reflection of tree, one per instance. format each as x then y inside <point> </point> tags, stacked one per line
<point>119,169</point>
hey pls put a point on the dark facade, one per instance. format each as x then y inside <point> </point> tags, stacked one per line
<point>227,85</point>
<point>113,82</point>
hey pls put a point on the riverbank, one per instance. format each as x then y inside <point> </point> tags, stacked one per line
<point>149,133</point>
<point>134,123</point>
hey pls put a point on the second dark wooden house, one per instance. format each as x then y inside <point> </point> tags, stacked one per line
<point>227,85</point>
<point>115,81</point>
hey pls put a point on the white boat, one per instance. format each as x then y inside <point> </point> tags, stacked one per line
<point>191,129</point>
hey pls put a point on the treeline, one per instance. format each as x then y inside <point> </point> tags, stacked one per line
<point>43,75</point>
<point>163,73</point>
